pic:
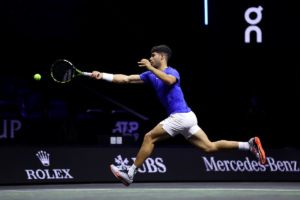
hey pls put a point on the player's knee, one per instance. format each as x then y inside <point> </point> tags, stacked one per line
<point>148,137</point>
<point>209,148</point>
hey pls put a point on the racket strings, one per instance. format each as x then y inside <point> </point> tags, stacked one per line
<point>68,75</point>
<point>62,71</point>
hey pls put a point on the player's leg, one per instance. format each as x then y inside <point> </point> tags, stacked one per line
<point>200,140</point>
<point>150,138</point>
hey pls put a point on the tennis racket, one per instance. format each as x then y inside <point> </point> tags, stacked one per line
<point>63,71</point>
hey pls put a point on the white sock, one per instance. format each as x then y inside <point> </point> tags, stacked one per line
<point>131,171</point>
<point>244,146</point>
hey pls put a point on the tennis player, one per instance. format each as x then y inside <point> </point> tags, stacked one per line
<point>181,119</point>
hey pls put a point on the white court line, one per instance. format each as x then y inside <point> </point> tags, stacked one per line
<point>152,189</point>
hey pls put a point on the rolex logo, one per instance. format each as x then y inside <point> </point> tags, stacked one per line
<point>44,157</point>
<point>47,174</point>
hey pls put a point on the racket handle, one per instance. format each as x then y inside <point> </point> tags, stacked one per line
<point>87,73</point>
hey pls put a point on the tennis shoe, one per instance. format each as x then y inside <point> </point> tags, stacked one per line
<point>121,176</point>
<point>257,149</point>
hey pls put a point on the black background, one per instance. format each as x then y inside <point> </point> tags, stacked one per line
<point>237,90</point>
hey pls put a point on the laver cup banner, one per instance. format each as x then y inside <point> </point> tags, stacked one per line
<point>31,165</point>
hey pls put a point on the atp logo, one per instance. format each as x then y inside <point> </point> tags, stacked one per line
<point>127,129</point>
<point>151,165</point>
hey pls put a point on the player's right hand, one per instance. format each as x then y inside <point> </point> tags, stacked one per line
<point>96,75</point>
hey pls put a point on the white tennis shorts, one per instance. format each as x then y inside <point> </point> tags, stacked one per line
<point>185,124</point>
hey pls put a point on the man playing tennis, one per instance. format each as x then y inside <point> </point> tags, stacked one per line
<point>181,119</point>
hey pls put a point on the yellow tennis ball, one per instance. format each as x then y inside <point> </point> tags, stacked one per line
<point>37,77</point>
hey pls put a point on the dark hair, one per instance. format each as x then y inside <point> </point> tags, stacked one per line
<point>162,49</point>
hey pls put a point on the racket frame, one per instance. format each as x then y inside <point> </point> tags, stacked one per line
<point>77,71</point>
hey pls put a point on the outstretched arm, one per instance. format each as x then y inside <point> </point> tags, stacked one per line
<point>117,78</point>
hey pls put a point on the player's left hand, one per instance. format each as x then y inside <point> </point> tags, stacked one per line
<point>144,63</point>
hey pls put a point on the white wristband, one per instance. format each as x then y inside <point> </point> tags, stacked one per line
<point>107,77</point>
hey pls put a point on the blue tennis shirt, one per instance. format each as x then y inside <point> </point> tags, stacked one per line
<point>171,96</point>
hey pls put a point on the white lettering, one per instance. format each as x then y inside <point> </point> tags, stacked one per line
<point>142,169</point>
<point>4,133</point>
<point>127,128</point>
<point>15,126</point>
<point>254,165</point>
<point>287,165</point>
<point>161,167</point>
<point>294,164</point>
<point>233,166</point>
<point>253,24</point>
<point>240,165</point>
<point>10,127</point>
<point>246,165</point>
<point>227,163</point>
<point>58,173</point>
<point>30,174</point>
<point>67,174</point>
<point>220,165</point>
<point>151,165</point>
<point>49,176</point>
<point>272,164</point>
<point>41,174</point>
<point>210,166</point>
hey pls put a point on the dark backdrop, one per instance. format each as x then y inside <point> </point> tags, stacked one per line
<point>236,89</point>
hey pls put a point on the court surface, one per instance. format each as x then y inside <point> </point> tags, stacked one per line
<point>147,191</point>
